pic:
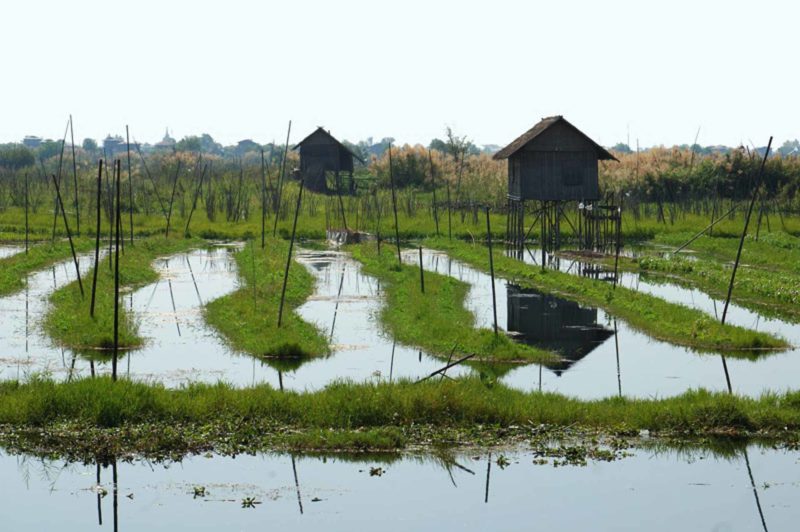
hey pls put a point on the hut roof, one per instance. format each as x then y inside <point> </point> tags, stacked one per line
<point>331,137</point>
<point>540,128</point>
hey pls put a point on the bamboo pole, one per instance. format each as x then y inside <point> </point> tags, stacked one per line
<point>130,181</point>
<point>739,253</point>
<point>197,193</point>
<point>421,272</point>
<point>116,274</point>
<point>289,257</point>
<point>69,234</point>
<point>172,196</point>
<point>491,269</point>
<point>27,201</point>
<point>394,207</point>
<point>97,236</point>
<point>433,184</point>
<point>280,181</point>
<point>75,180</point>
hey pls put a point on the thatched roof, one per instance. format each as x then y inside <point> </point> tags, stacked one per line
<point>541,127</point>
<point>331,137</point>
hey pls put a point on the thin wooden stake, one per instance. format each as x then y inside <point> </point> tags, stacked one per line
<point>739,253</point>
<point>69,234</point>
<point>172,196</point>
<point>433,183</point>
<point>116,274</point>
<point>130,182</point>
<point>197,193</point>
<point>26,212</point>
<point>97,236</point>
<point>421,272</point>
<point>289,257</point>
<point>280,180</point>
<point>75,180</point>
<point>394,207</point>
<point>491,269</point>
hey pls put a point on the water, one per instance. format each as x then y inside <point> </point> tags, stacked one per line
<point>345,306</point>
<point>179,346</point>
<point>631,363</point>
<point>8,251</point>
<point>655,491</point>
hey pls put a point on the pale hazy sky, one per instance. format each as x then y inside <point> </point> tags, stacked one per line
<point>490,69</point>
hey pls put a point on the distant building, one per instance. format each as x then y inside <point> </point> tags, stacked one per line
<point>166,144</point>
<point>32,141</point>
<point>113,145</point>
<point>320,154</point>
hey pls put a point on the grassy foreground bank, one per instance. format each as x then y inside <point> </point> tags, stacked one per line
<point>248,317</point>
<point>130,416</point>
<point>436,320</point>
<point>660,319</point>
<point>68,321</point>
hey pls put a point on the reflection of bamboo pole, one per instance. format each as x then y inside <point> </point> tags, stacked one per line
<point>616,346</point>
<point>755,490</point>
<point>391,363</point>
<point>99,497</point>
<point>297,485</point>
<point>116,494</point>
<point>336,307</point>
<point>488,474</point>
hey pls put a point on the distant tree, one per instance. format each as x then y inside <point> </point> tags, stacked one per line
<point>209,145</point>
<point>247,145</point>
<point>621,147</point>
<point>48,148</point>
<point>15,156</point>
<point>189,143</point>
<point>90,145</point>
<point>790,147</point>
<point>438,145</point>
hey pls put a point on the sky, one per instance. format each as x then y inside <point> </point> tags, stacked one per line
<point>653,71</point>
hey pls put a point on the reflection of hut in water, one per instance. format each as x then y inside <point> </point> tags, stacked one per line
<point>322,155</point>
<point>555,324</point>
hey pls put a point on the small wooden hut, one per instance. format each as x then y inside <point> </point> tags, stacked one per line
<point>551,163</point>
<point>320,155</point>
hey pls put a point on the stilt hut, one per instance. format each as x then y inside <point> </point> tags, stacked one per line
<point>551,163</point>
<point>322,155</point>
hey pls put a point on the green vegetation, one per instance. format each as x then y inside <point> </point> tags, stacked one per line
<point>437,320</point>
<point>774,252</point>
<point>462,403</point>
<point>16,268</point>
<point>67,320</point>
<point>660,319</point>
<point>248,317</point>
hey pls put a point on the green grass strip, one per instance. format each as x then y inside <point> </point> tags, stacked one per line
<point>459,403</point>
<point>660,319</point>
<point>437,320</point>
<point>248,317</point>
<point>16,268</point>
<point>67,320</point>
